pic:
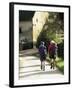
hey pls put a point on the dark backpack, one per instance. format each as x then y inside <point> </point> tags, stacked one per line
<point>42,50</point>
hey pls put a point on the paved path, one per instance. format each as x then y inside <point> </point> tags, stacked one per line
<point>30,69</point>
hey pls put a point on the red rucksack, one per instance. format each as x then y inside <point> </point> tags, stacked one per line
<point>52,49</point>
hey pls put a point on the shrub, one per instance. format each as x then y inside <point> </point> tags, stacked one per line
<point>61,49</point>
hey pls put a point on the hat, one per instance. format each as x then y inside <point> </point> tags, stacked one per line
<point>52,41</point>
<point>42,43</point>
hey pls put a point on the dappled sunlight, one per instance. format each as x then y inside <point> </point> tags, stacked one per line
<point>39,19</point>
<point>41,26</point>
<point>30,68</point>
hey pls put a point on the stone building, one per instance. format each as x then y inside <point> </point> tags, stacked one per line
<point>25,30</point>
<point>39,20</point>
<point>31,26</point>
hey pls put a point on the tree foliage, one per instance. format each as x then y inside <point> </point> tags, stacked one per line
<point>54,25</point>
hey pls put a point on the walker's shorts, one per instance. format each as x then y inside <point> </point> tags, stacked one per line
<point>52,56</point>
<point>42,57</point>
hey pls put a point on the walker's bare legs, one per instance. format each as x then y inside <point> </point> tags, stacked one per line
<point>43,65</point>
<point>52,63</point>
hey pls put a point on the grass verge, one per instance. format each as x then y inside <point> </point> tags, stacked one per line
<point>60,64</point>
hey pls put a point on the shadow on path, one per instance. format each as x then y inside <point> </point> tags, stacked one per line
<point>41,73</point>
<point>30,66</point>
<point>30,71</point>
<point>33,66</point>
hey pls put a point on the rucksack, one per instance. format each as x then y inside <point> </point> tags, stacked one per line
<point>42,50</point>
<point>52,49</point>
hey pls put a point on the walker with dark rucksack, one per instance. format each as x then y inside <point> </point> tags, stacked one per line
<point>42,52</point>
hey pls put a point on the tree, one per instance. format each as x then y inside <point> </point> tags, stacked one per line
<point>52,28</point>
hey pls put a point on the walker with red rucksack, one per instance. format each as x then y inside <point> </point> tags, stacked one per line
<point>52,53</point>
